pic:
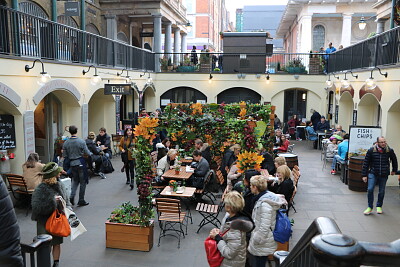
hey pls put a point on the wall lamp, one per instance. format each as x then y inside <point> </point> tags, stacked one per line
<point>96,79</point>
<point>267,78</point>
<point>210,78</point>
<point>370,82</point>
<point>43,77</point>
<point>345,82</point>
<point>127,77</point>
<point>149,79</point>
<point>241,75</point>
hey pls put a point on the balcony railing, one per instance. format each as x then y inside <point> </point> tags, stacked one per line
<point>380,50</point>
<point>323,244</point>
<point>25,35</point>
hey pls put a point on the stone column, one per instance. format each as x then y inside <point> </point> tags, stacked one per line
<point>177,44</point>
<point>380,26</point>
<point>306,34</point>
<point>346,30</point>
<point>183,42</point>
<point>157,40</point>
<point>111,21</point>
<point>168,39</point>
<point>130,32</point>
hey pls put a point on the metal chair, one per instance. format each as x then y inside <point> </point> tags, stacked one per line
<point>291,202</point>
<point>19,188</point>
<point>170,215</point>
<point>203,191</point>
<point>290,148</point>
<point>210,214</point>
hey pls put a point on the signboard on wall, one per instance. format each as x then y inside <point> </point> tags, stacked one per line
<point>29,132</point>
<point>117,89</point>
<point>71,8</point>
<point>336,114</point>
<point>362,138</point>
<point>7,132</point>
<point>354,117</point>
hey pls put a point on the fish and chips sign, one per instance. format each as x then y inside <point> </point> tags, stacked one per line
<point>362,138</point>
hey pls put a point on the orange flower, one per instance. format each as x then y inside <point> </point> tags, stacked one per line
<point>173,137</point>
<point>197,108</point>
<point>148,122</point>
<point>139,130</point>
<point>242,112</point>
<point>249,160</point>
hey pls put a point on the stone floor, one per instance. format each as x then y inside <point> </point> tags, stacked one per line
<point>319,194</point>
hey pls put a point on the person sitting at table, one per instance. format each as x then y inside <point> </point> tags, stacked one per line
<point>162,148</point>
<point>285,184</point>
<point>283,145</point>
<point>32,171</point>
<point>268,162</point>
<point>312,135</point>
<point>278,134</point>
<point>343,148</point>
<point>339,131</point>
<point>229,157</point>
<point>293,123</point>
<point>331,147</point>
<point>232,178</point>
<point>323,125</point>
<point>204,148</point>
<point>164,164</point>
<point>201,170</point>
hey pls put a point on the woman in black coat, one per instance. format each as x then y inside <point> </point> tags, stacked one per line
<point>10,248</point>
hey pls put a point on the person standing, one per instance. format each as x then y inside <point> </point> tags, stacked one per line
<point>204,148</point>
<point>193,56</point>
<point>125,144</point>
<point>45,199</point>
<point>329,50</point>
<point>315,118</point>
<point>376,169</point>
<point>277,123</point>
<point>74,149</point>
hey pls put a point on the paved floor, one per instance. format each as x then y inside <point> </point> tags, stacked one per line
<point>319,194</point>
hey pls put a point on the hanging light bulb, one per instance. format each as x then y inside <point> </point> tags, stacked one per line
<point>345,83</point>
<point>43,78</point>
<point>149,80</point>
<point>370,83</point>
<point>128,79</point>
<point>329,83</point>
<point>267,81</point>
<point>96,79</point>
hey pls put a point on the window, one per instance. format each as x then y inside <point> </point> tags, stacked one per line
<point>32,9</point>
<point>318,37</point>
<point>66,20</point>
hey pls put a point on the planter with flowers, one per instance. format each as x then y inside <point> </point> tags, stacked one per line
<point>132,227</point>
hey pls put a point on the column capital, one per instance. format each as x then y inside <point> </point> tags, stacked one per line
<point>157,15</point>
<point>183,33</point>
<point>346,15</point>
<point>167,23</point>
<point>110,16</point>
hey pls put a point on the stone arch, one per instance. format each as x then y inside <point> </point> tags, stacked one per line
<point>57,85</point>
<point>369,110</point>
<point>182,94</point>
<point>237,94</point>
<point>393,124</point>
<point>92,29</point>
<point>346,105</point>
<point>10,95</point>
<point>33,8</point>
<point>121,36</point>
<point>100,106</point>
<point>377,92</point>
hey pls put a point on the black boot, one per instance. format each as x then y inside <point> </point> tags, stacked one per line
<point>131,186</point>
<point>128,181</point>
<point>56,263</point>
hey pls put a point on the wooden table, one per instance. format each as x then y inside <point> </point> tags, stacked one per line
<point>183,175</point>
<point>186,161</point>
<point>189,192</point>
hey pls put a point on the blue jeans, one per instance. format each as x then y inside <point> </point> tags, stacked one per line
<point>259,261</point>
<point>336,158</point>
<point>372,181</point>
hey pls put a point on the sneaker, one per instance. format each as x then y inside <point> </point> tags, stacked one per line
<point>379,210</point>
<point>368,211</point>
<point>333,172</point>
<point>102,175</point>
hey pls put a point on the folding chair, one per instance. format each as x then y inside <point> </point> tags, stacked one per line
<point>204,191</point>
<point>170,215</point>
<point>291,202</point>
<point>210,214</point>
<point>296,175</point>
<point>19,188</point>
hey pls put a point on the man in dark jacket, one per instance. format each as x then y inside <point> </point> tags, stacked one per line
<point>104,141</point>
<point>201,170</point>
<point>10,249</point>
<point>315,118</point>
<point>376,169</point>
<point>323,125</point>
<point>204,148</point>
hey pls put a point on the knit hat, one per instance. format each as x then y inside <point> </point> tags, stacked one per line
<point>50,170</point>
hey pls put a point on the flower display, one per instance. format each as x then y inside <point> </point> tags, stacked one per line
<point>249,160</point>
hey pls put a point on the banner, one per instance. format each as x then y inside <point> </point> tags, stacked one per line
<point>362,138</point>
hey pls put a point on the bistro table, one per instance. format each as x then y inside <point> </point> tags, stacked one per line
<point>182,175</point>
<point>186,161</point>
<point>188,192</point>
<point>320,136</point>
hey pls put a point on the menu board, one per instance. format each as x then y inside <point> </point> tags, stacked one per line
<point>362,138</point>
<point>7,132</point>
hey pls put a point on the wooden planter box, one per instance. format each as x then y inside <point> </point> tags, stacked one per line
<point>129,236</point>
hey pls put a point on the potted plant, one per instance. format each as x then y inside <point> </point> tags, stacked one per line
<point>295,66</point>
<point>174,185</point>
<point>186,65</point>
<point>123,229</point>
<point>164,63</point>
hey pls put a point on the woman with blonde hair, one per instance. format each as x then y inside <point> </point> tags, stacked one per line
<point>279,161</point>
<point>262,241</point>
<point>45,199</point>
<point>231,237</point>
<point>31,170</point>
<point>285,184</point>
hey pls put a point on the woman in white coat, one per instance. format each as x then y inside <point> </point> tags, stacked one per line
<point>235,225</point>
<point>266,204</point>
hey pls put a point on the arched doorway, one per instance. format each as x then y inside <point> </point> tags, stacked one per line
<point>55,111</point>
<point>346,111</point>
<point>182,94</point>
<point>149,96</point>
<point>393,125</point>
<point>101,108</point>
<point>369,111</point>
<point>295,103</point>
<point>238,94</point>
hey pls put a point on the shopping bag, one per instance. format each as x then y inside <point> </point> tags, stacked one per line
<point>75,224</point>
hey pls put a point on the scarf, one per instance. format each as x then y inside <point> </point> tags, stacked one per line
<point>382,150</point>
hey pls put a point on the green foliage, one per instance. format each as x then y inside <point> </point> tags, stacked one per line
<point>128,214</point>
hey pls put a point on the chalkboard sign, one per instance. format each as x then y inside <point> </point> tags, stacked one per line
<point>7,132</point>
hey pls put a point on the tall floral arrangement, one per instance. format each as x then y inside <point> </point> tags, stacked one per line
<point>249,160</point>
<point>144,133</point>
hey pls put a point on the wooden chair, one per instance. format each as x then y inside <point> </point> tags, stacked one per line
<point>296,174</point>
<point>291,202</point>
<point>170,215</point>
<point>19,188</point>
<point>210,214</point>
<point>116,138</point>
<point>203,191</point>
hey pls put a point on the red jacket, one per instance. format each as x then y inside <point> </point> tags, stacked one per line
<point>284,146</point>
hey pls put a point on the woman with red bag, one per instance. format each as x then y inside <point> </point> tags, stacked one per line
<point>231,238</point>
<point>44,203</point>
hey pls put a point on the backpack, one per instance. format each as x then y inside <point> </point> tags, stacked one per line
<point>283,227</point>
<point>106,166</point>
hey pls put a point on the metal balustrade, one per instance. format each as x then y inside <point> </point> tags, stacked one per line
<point>40,247</point>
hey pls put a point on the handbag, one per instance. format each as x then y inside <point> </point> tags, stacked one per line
<point>214,257</point>
<point>57,224</point>
<point>124,157</point>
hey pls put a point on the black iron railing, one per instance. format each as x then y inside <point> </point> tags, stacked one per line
<point>323,244</point>
<point>25,35</point>
<point>380,50</point>
<point>39,247</point>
